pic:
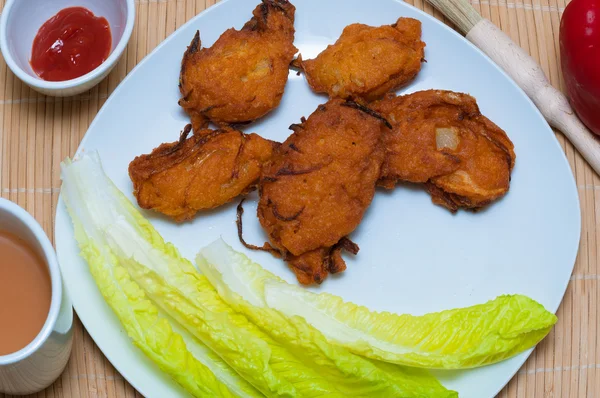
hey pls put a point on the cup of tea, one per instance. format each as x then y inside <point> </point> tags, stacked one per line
<point>36,316</point>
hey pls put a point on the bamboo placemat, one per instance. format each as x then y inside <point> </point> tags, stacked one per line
<point>37,132</point>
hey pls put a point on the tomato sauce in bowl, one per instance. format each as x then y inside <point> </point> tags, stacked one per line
<point>70,44</point>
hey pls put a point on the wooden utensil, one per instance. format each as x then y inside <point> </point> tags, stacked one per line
<point>525,72</point>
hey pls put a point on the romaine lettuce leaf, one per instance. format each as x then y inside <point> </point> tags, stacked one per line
<point>188,362</point>
<point>231,333</point>
<point>452,339</point>
<point>353,375</point>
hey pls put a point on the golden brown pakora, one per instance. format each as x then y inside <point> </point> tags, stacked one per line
<point>440,138</point>
<point>317,186</point>
<point>242,76</point>
<point>366,62</point>
<point>201,172</point>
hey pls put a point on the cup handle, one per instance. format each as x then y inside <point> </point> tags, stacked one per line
<point>64,322</point>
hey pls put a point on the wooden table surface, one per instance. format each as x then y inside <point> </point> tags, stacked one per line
<point>37,132</point>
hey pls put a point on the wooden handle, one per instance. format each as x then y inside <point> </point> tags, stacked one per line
<point>530,77</point>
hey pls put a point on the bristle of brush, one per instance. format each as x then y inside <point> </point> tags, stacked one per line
<point>460,12</point>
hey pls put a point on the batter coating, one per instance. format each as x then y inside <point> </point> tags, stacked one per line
<point>440,138</point>
<point>198,173</point>
<point>367,62</point>
<point>317,186</point>
<point>242,76</point>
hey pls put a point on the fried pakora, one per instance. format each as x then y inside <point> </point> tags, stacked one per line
<point>367,62</point>
<point>440,138</point>
<point>317,186</point>
<point>242,76</point>
<point>201,172</point>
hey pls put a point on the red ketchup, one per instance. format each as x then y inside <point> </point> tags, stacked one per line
<point>70,44</point>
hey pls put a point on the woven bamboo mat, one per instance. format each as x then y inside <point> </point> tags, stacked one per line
<point>37,132</point>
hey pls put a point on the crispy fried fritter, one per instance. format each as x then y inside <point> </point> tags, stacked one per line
<point>317,186</point>
<point>440,138</point>
<point>242,76</point>
<point>201,172</point>
<point>366,62</point>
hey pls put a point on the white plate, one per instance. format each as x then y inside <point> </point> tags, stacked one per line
<point>415,257</point>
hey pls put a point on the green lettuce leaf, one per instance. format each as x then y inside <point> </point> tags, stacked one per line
<point>174,285</point>
<point>352,374</point>
<point>232,333</point>
<point>452,339</point>
<point>187,361</point>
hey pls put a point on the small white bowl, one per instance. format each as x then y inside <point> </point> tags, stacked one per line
<point>21,20</point>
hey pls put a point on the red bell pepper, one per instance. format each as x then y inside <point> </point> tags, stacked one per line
<point>580,59</point>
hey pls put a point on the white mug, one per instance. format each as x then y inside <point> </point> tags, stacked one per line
<point>38,364</point>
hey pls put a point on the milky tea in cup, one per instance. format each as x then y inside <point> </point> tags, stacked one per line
<point>36,316</point>
<point>25,293</point>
